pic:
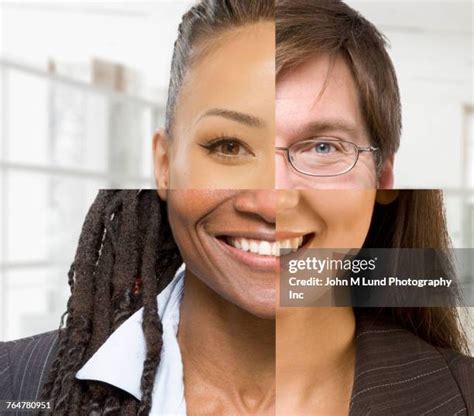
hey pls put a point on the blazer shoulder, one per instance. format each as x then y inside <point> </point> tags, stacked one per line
<point>398,373</point>
<point>24,365</point>
<point>462,369</point>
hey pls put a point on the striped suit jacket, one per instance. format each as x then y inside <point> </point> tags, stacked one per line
<point>396,373</point>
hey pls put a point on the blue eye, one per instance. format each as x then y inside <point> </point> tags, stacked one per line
<point>322,148</point>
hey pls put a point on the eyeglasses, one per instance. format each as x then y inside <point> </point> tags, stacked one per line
<point>324,156</point>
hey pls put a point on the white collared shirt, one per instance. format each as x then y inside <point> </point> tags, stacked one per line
<point>119,361</point>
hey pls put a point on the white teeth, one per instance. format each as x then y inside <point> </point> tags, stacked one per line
<point>254,246</point>
<point>265,248</point>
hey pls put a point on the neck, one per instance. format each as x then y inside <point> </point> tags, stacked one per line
<point>315,358</point>
<point>225,350</point>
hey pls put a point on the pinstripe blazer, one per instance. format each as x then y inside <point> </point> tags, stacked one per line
<point>396,372</point>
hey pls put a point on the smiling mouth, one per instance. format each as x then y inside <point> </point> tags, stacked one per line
<point>265,247</point>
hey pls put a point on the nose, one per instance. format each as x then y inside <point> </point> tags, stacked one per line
<point>261,203</point>
<point>287,200</point>
<point>283,171</point>
<point>265,177</point>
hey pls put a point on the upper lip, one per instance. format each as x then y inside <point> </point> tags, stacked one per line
<point>265,236</point>
<point>252,235</point>
<point>286,235</point>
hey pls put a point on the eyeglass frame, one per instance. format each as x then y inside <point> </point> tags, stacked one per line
<point>359,149</point>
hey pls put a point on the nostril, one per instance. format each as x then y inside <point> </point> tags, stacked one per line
<point>257,203</point>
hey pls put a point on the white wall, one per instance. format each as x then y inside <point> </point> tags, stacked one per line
<point>432,50</point>
<point>61,142</point>
<point>137,34</point>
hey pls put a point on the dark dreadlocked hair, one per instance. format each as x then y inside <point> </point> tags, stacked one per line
<point>125,257</point>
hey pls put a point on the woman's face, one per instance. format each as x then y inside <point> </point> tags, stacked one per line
<point>217,174</point>
<point>224,125</point>
<point>331,222</point>
<point>229,238</point>
<point>212,228</point>
<point>319,99</point>
<point>327,218</point>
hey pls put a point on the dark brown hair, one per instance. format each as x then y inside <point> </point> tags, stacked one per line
<point>416,219</point>
<point>306,28</point>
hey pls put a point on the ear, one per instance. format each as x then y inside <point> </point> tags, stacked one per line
<point>387,196</point>
<point>161,158</point>
<point>385,179</point>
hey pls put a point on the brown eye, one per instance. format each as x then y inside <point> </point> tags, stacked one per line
<point>229,148</point>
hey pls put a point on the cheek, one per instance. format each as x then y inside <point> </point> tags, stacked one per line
<point>345,216</point>
<point>355,179</point>
<point>182,166</point>
<point>364,172</point>
<point>180,218</point>
<point>189,167</point>
<point>186,208</point>
<point>189,210</point>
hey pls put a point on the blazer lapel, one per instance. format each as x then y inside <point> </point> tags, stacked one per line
<point>399,374</point>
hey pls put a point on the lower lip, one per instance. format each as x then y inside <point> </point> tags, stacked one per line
<point>256,261</point>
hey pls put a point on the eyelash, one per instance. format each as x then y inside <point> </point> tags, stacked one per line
<point>212,145</point>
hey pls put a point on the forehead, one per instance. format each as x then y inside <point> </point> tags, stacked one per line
<point>235,72</point>
<point>320,90</point>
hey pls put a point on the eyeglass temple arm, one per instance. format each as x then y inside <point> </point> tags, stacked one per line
<point>367,149</point>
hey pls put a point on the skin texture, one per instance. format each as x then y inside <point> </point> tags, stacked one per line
<point>230,192</point>
<point>313,361</point>
<point>197,217</point>
<point>236,74</point>
<point>315,100</point>
<point>337,219</point>
<point>237,313</point>
<point>225,300</point>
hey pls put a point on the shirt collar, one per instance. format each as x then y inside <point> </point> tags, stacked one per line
<point>119,361</point>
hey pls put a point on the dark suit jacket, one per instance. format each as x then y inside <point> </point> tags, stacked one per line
<point>396,373</point>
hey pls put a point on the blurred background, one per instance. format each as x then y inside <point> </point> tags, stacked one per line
<point>83,86</point>
<point>431,45</point>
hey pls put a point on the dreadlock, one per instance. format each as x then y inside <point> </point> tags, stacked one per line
<point>126,255</point>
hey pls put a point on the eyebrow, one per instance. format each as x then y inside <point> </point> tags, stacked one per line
<point>237,116</point>
<point>330,125</point>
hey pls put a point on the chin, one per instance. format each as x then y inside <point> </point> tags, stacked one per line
<point>260,308</point>
<point>266,314</point>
